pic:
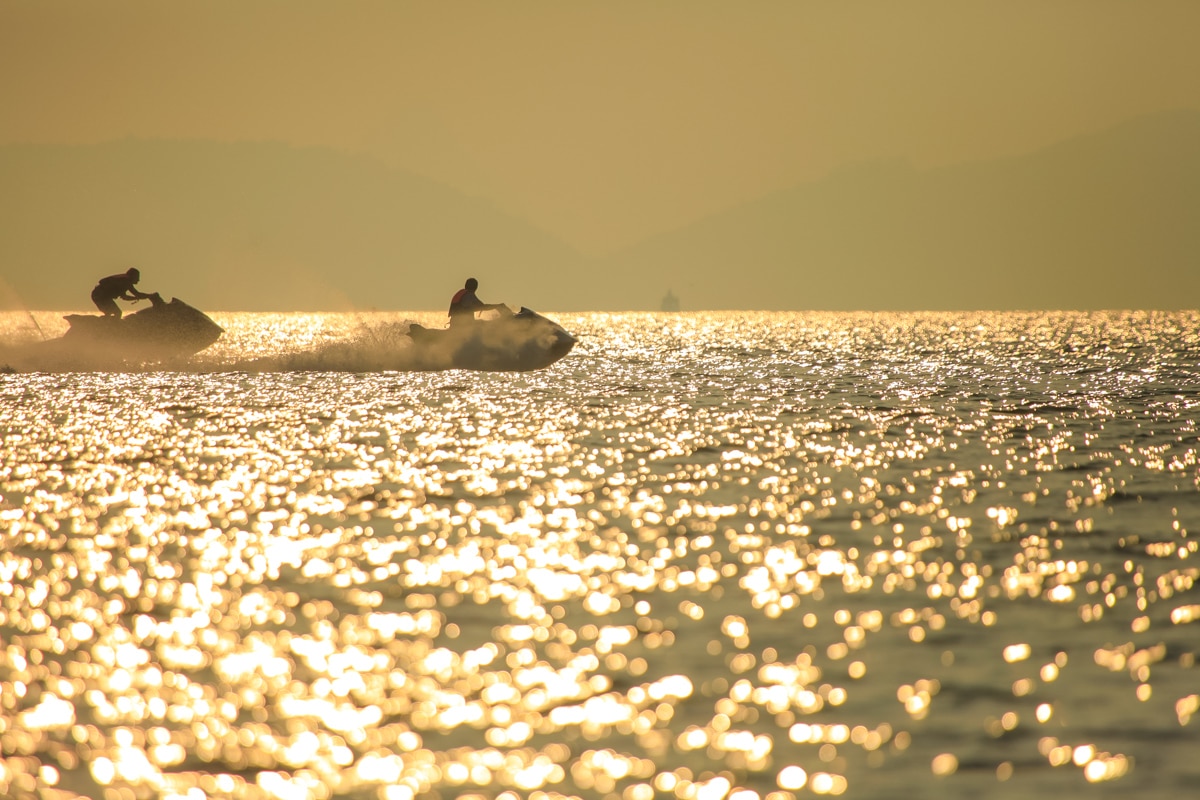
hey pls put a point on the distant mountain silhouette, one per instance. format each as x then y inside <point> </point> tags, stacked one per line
<point>1102,221</point>
<point>1110,220</point>
<point>234,226</point>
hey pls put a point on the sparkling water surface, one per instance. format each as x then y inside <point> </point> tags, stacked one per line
<point>711,555</point>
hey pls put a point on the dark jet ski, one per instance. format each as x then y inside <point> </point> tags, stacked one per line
<point>519,342</point>
<point>163,332</point>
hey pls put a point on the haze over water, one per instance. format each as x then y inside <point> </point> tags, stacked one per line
<point>707,555</point>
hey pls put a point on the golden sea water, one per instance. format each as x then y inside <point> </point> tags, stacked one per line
<point>706,556</point>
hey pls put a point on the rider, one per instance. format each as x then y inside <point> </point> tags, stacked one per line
<point>117,287</point>
<point>465,303</point>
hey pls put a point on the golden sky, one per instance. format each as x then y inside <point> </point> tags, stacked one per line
<point>600,122</point>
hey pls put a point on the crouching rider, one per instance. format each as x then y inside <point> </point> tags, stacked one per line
<point>118,287</point>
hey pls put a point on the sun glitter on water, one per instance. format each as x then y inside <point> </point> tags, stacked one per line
<point>707,556</point>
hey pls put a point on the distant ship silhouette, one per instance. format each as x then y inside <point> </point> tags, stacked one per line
<point>670,302</point>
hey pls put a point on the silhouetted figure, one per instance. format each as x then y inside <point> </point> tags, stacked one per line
<point>464,304</point>
<point>117,287</point>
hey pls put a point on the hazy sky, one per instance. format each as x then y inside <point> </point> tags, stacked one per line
<point>601,122</point>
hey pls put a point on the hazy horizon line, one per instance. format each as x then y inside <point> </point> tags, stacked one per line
<point>497,204</point>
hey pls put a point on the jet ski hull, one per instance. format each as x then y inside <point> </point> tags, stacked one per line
<point>520,342</point>
<point>163,332</point>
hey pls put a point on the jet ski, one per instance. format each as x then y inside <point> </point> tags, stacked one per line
<point>163,332</point>
<point>520,342</point>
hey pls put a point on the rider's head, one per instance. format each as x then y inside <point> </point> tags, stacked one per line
<point>471,284</point>
<point>133,274</point>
